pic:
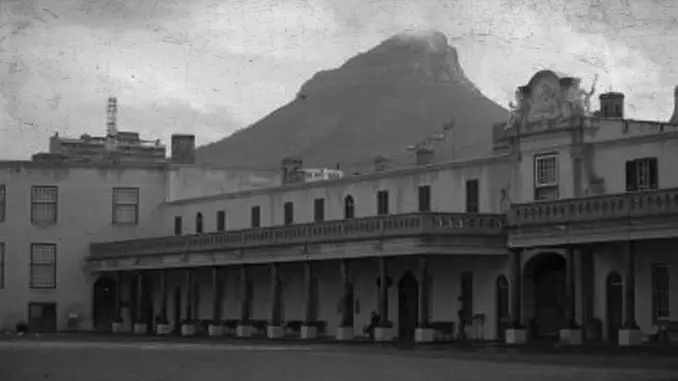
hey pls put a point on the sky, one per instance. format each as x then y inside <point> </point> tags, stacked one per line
<point>210,67</point>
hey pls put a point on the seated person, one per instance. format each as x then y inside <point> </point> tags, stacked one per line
<point>374,321</point>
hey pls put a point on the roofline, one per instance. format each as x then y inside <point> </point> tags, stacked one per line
<point>404,171</point>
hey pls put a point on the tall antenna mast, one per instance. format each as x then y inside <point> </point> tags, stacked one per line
<point>112,116</point>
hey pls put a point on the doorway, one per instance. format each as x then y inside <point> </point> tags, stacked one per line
<point>105,290</point>
<point>42,317</point>
<point>502,307</point>
<point>147,305</point>
<point>408,307</point>
<point>614,309</point>
<point>546,274</point>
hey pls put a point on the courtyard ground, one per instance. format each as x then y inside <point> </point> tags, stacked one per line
<point>126,359</point>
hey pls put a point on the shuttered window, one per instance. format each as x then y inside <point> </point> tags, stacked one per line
<point>125,206</point>
<point>43,265</point>
<point>44,204</point>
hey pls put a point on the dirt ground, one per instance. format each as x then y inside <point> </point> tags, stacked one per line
<point>170,361</point>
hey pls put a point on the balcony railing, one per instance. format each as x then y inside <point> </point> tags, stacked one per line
<point>618,206</point>
<point>393,226</point>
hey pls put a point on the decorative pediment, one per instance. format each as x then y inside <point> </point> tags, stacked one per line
<point>549,97</point>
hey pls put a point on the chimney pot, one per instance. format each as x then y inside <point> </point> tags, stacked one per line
<point>674,117</point>
<point>425,156</point>
<point>183,149</point>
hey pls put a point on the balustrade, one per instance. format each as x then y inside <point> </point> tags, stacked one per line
<point>328,231</point>
<point>618,206</point>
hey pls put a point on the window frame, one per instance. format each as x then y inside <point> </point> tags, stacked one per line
<point>661,300</point>
<point>33,264</point>
<point>288,213</point>
<point>472,204</point>
<point>552,188</point>
<point>349,206</point>
<point>383,201</point>
<point>424,198</point>
<point>35,203</point>
<point>318,210</point>
<point>116,204</point>
<point>645,168</point>
<point>199,223</point>
<point>2,265</point>
<point>178,226</point>
<point>255,217</point>
<point>221,220</point>
<point>3,202</point>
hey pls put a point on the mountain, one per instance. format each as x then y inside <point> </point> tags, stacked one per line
<point>377,103</point>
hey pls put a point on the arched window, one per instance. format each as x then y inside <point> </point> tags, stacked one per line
<point>198,223</point>
<point>349,207</point>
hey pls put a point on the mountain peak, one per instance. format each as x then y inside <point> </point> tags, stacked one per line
<point>433,40</point>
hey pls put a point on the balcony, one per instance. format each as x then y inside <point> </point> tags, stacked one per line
<point>369,228</point>
<point>637,215</point>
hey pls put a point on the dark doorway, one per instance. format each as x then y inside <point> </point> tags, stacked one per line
<point>105,290</point>
<point>614,311</point>
<point>547,273</point>
<point>177,309</point>
<point>42,317</point>
<point>503,313</point>
<point>408,307</point>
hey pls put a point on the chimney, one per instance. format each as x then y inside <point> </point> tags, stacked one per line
<point>183,149</point>
<point>612,105</point>
<point>381,163</point>
<point>291,170</point>
<point>425,156</point>
<point>674,118</point>
<point>112,116</point>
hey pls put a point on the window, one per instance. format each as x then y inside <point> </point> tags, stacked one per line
<point>44,202</point>
<point>660,292</point>
<point>382,202</point>
<point>425,198</point>
<point>349,207</point>
<point>198,223</point>
<point>289,213</point>
<point>256,217</point>
<point>472,204</point>
<point>125,206</point>
<point>178,225</point>
<point>319,209</point>
<point>2,265</point>
<point>545,177</point>
<point>3,202</point>
<point>221,220</point>
<point>641,174</point>
<point>43,265</point>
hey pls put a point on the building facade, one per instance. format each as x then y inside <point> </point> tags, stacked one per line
<point>567,231</point>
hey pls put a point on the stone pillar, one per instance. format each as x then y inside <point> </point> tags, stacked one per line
<point>517,333</point>
<point>309,329</point>
<point>140,323</point>
<point>244,328</point>
<point>384,331</point>
<point>188,325</point>
<point>587,289</point>
<point>274,330</point>
<point>571,334</point>
<point>345,330</point>
<point>424,332</point>
<point>163,327</point>
<point>118,322</point>
<point>630,334</point>
<point>216,328</point>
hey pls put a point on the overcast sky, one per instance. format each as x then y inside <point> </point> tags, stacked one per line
<point>210,67</point>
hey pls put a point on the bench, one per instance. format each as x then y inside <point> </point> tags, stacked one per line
<point>444,330</point>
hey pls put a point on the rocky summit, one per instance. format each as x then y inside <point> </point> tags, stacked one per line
<point>377,103</point>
